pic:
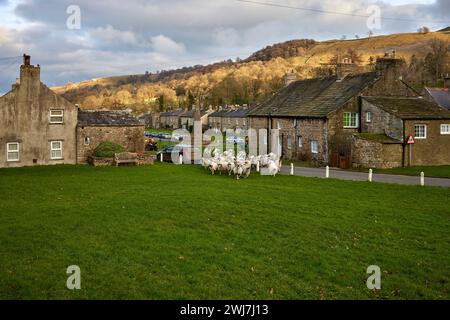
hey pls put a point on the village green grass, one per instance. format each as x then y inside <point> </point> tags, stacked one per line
<point>176,232</point>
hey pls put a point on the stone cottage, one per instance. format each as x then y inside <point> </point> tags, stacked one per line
<point>119,127</point>
<point>188,117</point>
<point>170,119</point>
<point>388,122</point>
<point>318,118</point>
<point>230,118</point>
<point>39,127</point>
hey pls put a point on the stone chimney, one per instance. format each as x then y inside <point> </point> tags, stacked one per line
<point>289,78</point>
<point>346,67</point>
<point>389,65</point>
<point>29,74</point>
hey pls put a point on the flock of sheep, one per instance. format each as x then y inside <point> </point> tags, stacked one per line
<point>241,165</point>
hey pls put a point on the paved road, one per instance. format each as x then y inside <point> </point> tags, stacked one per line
<point>362,176</point>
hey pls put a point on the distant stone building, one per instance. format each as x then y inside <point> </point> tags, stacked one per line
<point>235,119</point>
<point>150,120</point>
<point>37,127</point>
<point>170,119</point>
<point>230,118</point>
<point>320,119</point>
<point>119,127</point>
<point>187,118</point>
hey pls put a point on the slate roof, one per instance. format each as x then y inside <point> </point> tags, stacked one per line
<point>238,113</point>
<point>409,108</point>
<point>441,96</point>
<point>107,118</point>
<point>314,98</point>
<point>219,113</point>
<point>171,113</point>
<point>190,113</point>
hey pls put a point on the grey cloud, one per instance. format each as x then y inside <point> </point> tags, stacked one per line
<point>121,37</point>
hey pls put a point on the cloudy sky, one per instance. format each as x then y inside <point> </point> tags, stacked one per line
<point>126,37</point>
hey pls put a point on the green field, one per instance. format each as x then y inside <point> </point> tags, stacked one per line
<point>175,232</point>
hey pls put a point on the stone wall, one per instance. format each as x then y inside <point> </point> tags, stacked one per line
<point>25,118</point>
<point>88,138</point>
<point>382,121</point>
<point>291,129</point>
<point>375,154</point>
<point>434,150</point>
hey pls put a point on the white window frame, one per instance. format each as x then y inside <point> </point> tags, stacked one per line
<point>300,141</point>
<point>447,130</point>
<point>289,143</point>
<point>8,151</point>
<point>314,146</point>
<point>60,114</point>
<point>369,117</point>
<point>350,114</point>
<point>56,149</point>
<point>424,130</point>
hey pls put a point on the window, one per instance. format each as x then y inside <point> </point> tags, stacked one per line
<point>56,150</point>
<point>420,131</point>
<point>299,141</point>
<point>289,143</point>
<point>314,146</point>
<point>350,120</point>
<point>244,121</point>
<point>56,116</point>
<point>87,141</point>
<point>12,151</point>
<point>445,128</point>
<point>369,116</point>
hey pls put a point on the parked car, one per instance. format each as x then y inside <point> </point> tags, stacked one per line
<point>167,152</point>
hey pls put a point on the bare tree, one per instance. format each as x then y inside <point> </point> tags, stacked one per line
<point>423,30</point>
<point>436,59</point>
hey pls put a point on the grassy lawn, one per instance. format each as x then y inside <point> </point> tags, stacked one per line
<point>175,232</point>
<point>433,171</point>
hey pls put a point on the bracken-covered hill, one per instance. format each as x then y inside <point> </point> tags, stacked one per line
<point>246,81</point>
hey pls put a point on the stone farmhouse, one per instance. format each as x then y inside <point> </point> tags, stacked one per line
<point>39,127</point>
<point>356,119</point>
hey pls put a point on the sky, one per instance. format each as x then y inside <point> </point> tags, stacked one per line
<point>117,37</point>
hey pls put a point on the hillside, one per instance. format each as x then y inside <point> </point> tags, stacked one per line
<point>245,81</point>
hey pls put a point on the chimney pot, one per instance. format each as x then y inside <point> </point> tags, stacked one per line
<point>26,60</point>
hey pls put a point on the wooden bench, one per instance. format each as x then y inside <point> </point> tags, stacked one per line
<point>126,157</point>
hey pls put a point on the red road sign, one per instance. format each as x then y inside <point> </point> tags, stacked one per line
<point>410,140</point>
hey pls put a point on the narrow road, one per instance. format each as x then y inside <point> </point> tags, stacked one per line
<point>362,176</point>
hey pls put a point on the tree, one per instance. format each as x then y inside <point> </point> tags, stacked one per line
<point>436,59</point>
<point>423,30</point>
<point>161,103</point>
